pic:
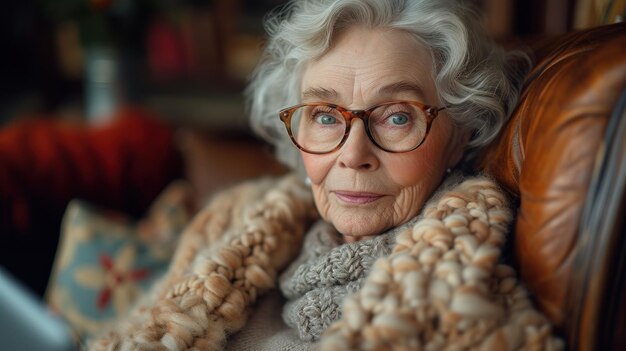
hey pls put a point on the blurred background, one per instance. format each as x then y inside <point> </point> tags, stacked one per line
<point>85,58</point>
<point>186,59</point>
<point>109,101</point>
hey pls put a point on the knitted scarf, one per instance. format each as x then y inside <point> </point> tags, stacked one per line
<point>442,287</point>
<point>325,272</point>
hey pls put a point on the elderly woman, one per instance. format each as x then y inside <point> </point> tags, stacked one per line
<point>374,103</point>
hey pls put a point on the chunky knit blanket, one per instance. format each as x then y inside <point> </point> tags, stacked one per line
<point>442,287</point>
<point>229,255</point>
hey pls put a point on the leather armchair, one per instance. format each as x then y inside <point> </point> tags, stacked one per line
<point>563,157</point>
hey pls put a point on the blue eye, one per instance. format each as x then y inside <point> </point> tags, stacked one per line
<point>399,119</point>
<point>326,119</point>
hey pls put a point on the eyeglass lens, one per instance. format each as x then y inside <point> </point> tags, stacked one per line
<point>395,127</point>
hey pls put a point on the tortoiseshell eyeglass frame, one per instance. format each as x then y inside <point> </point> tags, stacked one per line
<point>431,113</point>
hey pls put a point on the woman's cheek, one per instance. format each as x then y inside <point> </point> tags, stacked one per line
<point>321,202</point>
<point>408,171</point>
<point>316,166</point>
<point>317,170</point>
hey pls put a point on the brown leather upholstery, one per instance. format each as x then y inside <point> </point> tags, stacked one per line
<point>548,153</point>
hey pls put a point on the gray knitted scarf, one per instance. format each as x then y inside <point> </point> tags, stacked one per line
<point>327,270</point>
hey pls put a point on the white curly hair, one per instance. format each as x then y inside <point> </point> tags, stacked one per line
<point>477,81</point>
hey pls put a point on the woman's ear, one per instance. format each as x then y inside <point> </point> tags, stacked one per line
<point>461,138</point>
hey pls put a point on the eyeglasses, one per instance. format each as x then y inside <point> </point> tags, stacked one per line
<point>396,126</point>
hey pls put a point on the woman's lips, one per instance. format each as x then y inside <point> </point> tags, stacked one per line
<point>357,198</point>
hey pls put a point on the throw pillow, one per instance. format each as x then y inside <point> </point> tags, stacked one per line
<point>105,259</point>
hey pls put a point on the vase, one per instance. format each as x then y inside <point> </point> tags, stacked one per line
<point>102,84</point>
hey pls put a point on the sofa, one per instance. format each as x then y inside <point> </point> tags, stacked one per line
<point>562,156</point>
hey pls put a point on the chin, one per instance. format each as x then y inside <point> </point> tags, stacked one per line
<point>353,239</point>
<point>357,227</point>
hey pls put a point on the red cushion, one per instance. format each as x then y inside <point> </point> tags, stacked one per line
<point>44,163</point>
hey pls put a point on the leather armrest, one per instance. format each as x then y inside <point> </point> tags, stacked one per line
<point>547,153</point>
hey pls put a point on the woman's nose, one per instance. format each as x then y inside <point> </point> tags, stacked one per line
<point>358,151</point>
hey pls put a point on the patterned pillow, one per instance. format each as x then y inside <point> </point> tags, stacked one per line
<point>105,260</point>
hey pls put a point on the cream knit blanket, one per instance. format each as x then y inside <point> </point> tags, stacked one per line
<point>442,287</point>
<point>228,255</point>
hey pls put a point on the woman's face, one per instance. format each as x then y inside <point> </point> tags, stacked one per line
<point>361,189</point>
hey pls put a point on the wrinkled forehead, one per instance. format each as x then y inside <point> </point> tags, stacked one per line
<point>371,65</point>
